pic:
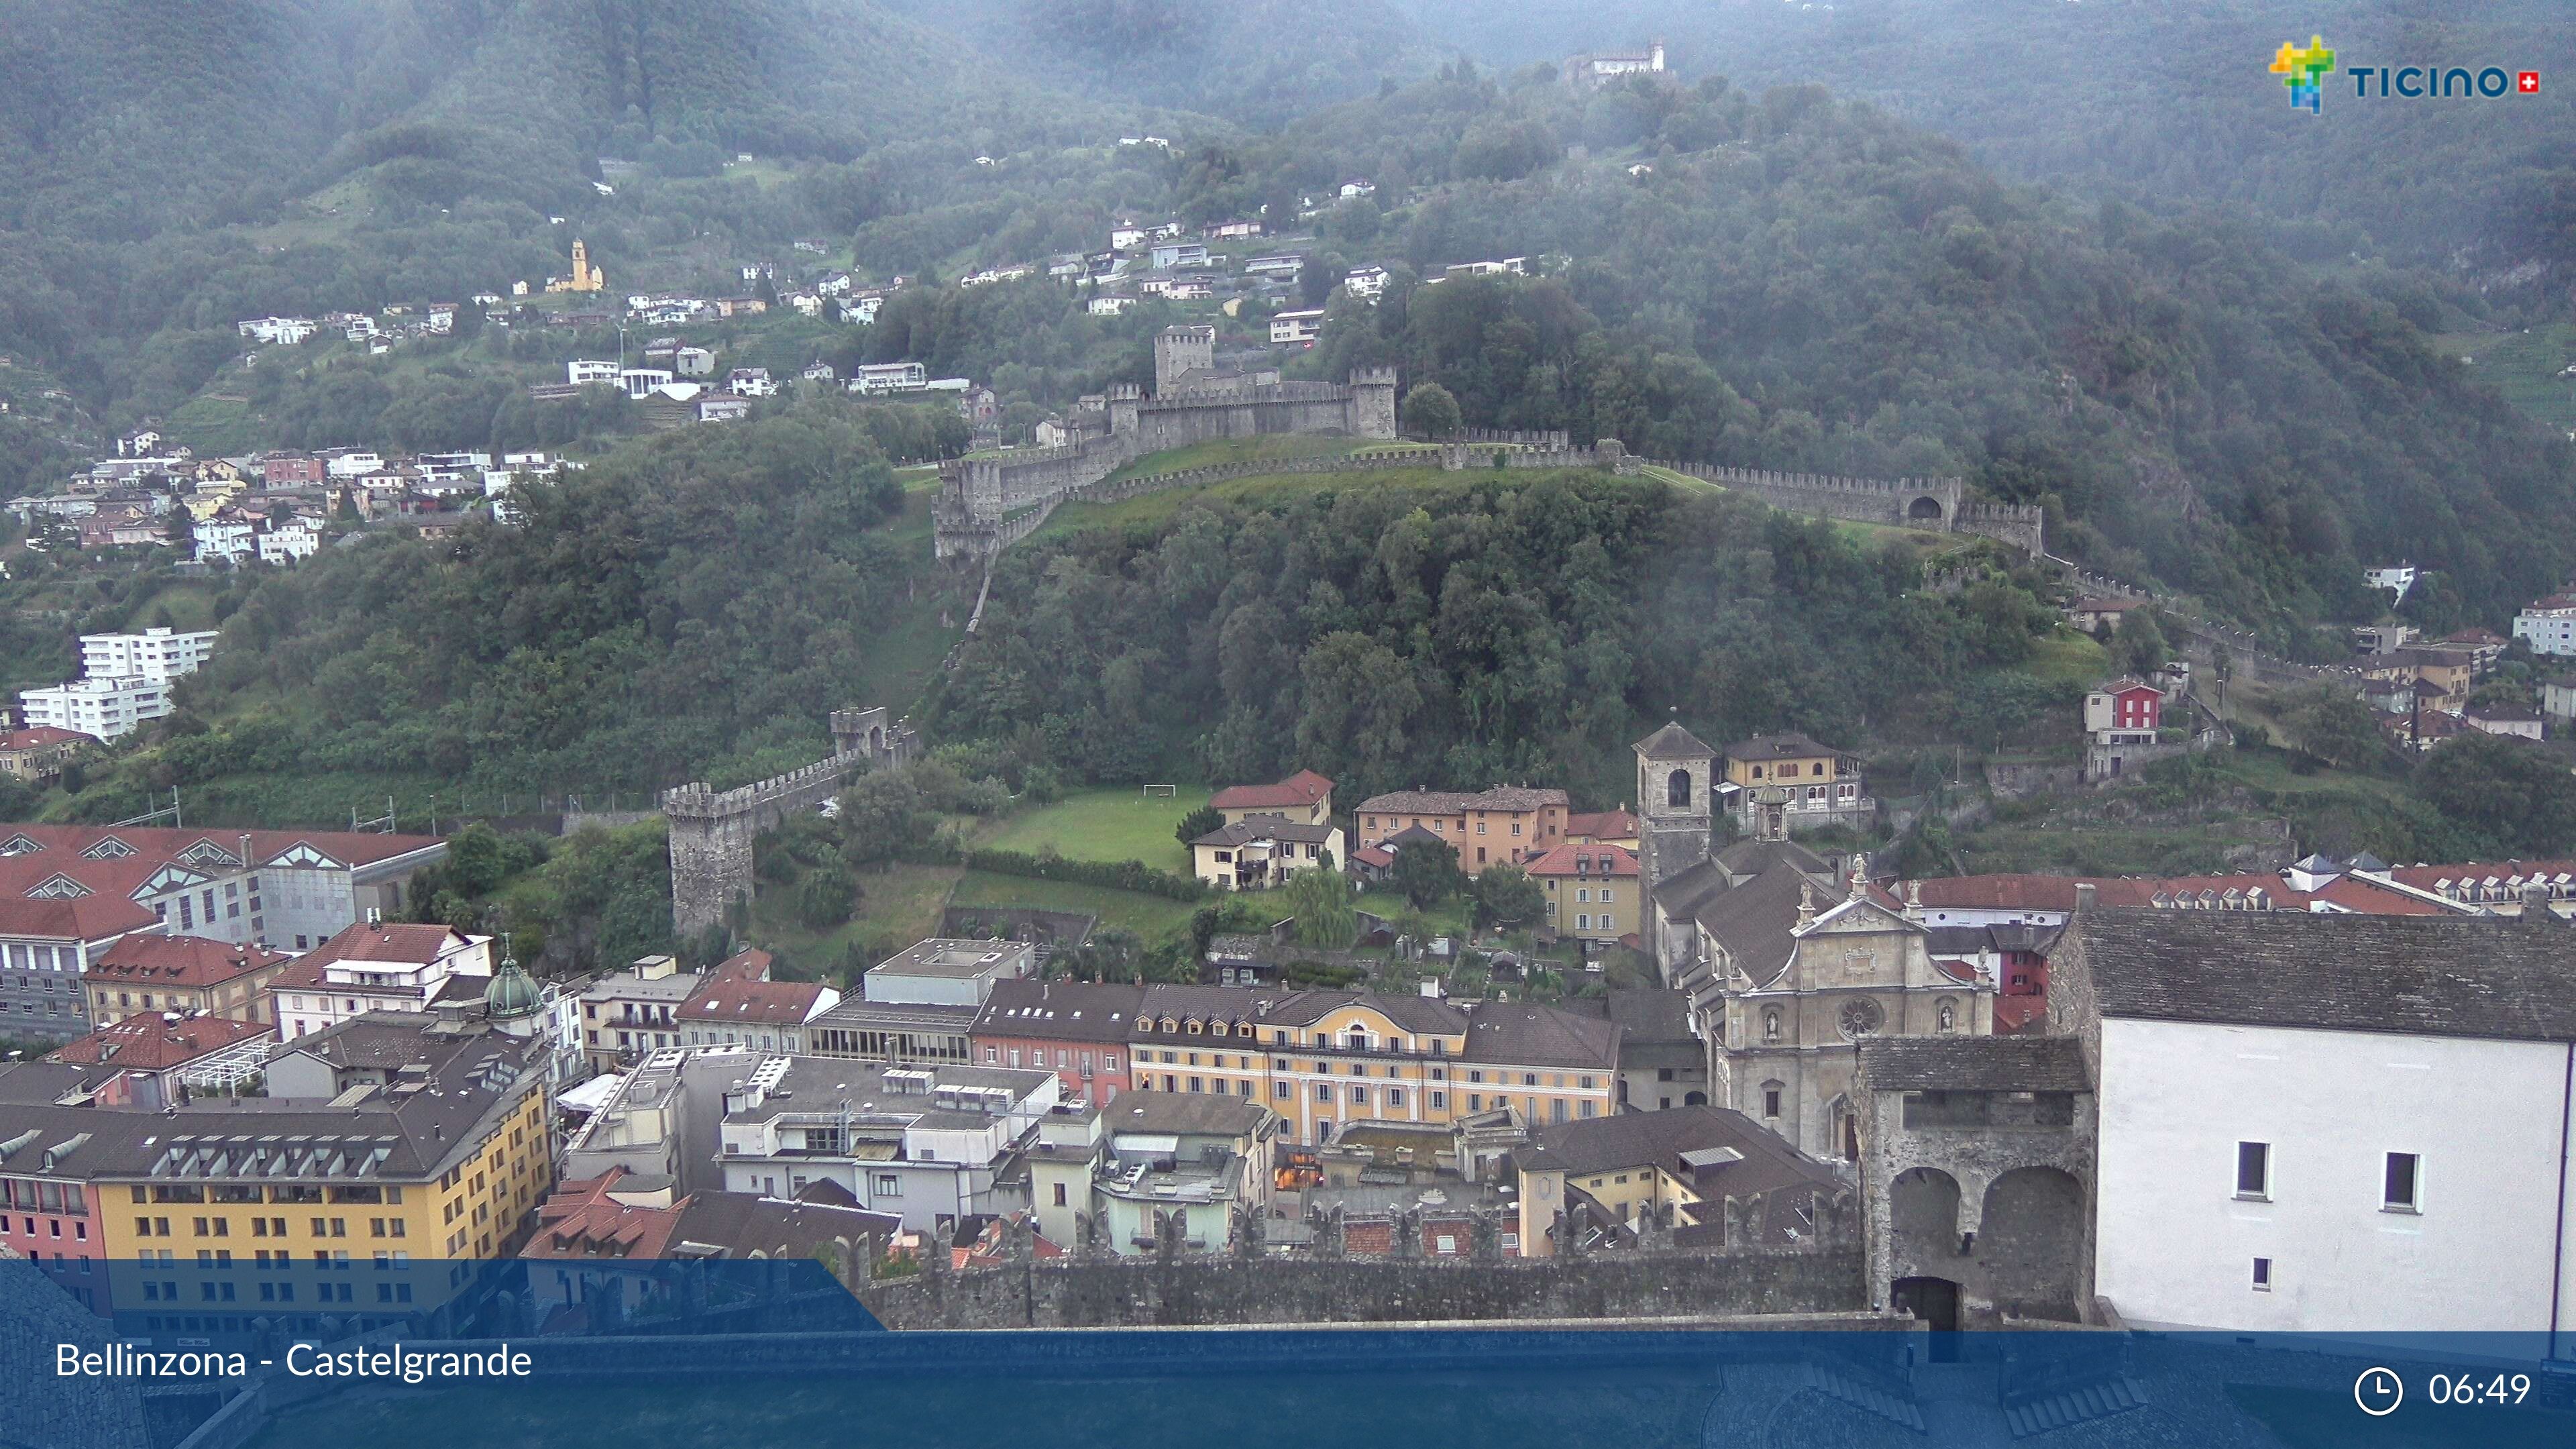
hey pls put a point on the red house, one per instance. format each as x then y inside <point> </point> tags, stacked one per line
<point>2124,705</point>
<point>1074,1029</point>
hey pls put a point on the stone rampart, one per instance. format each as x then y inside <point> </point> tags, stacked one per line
<point>711,830</point>
<point>1205,1291</point>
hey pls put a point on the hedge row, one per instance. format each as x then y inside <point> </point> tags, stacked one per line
<point>1122,875</point>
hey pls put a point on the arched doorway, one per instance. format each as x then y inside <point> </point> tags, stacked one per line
<point>1936,1302</point>
<point>2030,1240</point>
<point>1694,1099</point>
<point>1926,509</point>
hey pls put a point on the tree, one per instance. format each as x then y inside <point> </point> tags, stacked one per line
<point>2333,725</point>
<point>1325,905</point>
<point>881,816</point>
<point>1204,820</point>
<point>1427,872</point>
<point>2503,787</point>
<point>825,898</point>
<point>1505,895</point>
<point>1431,410</point>
<point>2138,646</point>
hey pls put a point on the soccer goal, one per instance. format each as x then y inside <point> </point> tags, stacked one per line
<point>1163,791</point>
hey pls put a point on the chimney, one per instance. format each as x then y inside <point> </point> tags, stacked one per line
<point>2083,896</point>
<point>2535,903</point>
<point>375,917</point>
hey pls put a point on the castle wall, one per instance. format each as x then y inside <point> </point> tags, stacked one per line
<point>711,831</point>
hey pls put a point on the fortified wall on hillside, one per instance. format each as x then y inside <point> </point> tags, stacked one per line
<point>712,830</point>
<point>1933,503</point>
<point>1193,402</point>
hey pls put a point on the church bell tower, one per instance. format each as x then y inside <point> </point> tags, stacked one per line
<point>1675,776</point>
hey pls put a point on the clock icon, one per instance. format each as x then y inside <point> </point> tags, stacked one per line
<point>2378,1391</point>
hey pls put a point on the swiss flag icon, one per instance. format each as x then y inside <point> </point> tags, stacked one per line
<point>2528,82</point>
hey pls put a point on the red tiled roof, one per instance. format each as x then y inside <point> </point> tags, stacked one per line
<point>38,736</point>
<point>150,1042</point>
<point>1609,860</point>
<point>179,960</point>
<point>400,943</point>
<point>581,1219</point>
<point>767,1002</point>
<point>1602,825</point>
<point>1298,790</point>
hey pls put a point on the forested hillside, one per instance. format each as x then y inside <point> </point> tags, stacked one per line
<point>1808,284</point>
<point>2164,100</point>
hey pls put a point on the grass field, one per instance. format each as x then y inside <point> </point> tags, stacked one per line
<point>897,906</point>
<point>1256,491</point>
<point>2528,367</point>
<point>1148,916</point>
<point>1114,824</point>
<point>1245,450</point>
<point>2069,656</point>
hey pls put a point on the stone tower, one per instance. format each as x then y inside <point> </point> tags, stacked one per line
<point>1373,402</point>
<point>1675,777</point>
<point>1179,351</point>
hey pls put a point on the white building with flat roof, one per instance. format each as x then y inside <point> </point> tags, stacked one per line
<point>102,708</point>
<point>948,973</point>
<point>156,654</point>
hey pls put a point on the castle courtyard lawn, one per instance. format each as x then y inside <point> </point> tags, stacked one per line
<point>1116,824</point>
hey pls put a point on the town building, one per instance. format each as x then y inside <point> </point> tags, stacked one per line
<point>1325,1060</point>
<point>590,1225</point>
<point>1663,1063</point>
<point>1606,827</point>
<point>2548,624</point>
<point>631,1012</point>
<point>953,973</point>
<point>1670,1170</point>
<point>1777,785</point>
<point>1297,328</point>
<point>1509,824</point>
<point>103,709</point>
<point>895,1033</point>
<point>378,965</point>
<point>663,1120</point>
<point>2518,721</point>
<point>2326,1125</point>
<point>1305,798</point>
<point>1199,1159</point>
<point>1593,892</point>
<point>1075,1029</point>
<point>148,973</point>
<point>2121,723</point>
<point>39,753</point>
<point>180,1053</point>
<point>2397,578</point>
<point>69,892</point>
<point>741,1006</point>
<point>926,1143</point>
<point>1260,851</point>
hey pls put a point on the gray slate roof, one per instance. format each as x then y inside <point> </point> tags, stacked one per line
<point>1973,1064</point>
<point>2418,975</point>
<point>1672,742</point>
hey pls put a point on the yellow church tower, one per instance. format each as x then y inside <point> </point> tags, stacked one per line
<point>583,278</point>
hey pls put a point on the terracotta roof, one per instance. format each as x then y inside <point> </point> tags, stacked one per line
<point>1609,860</point>
<point>179,960</point>
<point>773,1003</point>
<point>394,942</point>
<point>38,736</point>
<point>1602,825</point>
<point>150,1042</point>
<point>1296,792</point>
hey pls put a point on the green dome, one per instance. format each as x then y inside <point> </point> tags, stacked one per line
<point>512,995</point>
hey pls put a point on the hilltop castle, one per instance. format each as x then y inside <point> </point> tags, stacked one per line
<point>981,498</point>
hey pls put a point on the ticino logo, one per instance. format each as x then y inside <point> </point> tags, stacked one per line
<point>2304,69</point>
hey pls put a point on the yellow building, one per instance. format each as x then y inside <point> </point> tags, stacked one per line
<point>1777,785</point>
<point>187,974</point>
<point>356,1204</point>
<point>584,278</point>
<point>1324,1060</point>
<point>1259,851</point>
<point>1593,892</point>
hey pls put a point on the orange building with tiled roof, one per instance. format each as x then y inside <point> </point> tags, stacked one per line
<point>150,973</point>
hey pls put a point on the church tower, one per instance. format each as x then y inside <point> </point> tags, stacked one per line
<point>1675,774</point>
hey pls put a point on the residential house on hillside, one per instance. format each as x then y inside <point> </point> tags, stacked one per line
<point>2548,624</point>
<point>1777,785</point>
<point>1304,797</point>
<point>1592,892</point>
<point>1262,850</point>
<point>1508,824</point>
<point>40,752</point>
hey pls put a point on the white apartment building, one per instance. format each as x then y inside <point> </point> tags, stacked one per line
<point>2327,1123</point>
<point>288,542</point>
<point>155,654</point>
<point>1296,326</point>
<point>102,708</point>
<point>2548,625</point>
<point>925,1142</point>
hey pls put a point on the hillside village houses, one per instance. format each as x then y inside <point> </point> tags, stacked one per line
<point>125,681</point>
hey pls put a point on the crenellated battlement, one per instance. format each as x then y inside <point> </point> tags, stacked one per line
<point>711,830</point>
